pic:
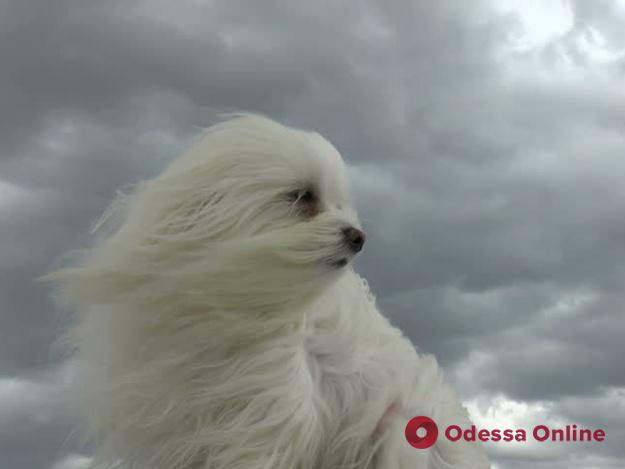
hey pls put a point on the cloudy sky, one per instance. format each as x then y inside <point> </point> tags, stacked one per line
<point>487,150</point>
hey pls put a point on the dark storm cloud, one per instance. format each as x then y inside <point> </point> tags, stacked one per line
<point>571,347</point>
<point>489,178</point>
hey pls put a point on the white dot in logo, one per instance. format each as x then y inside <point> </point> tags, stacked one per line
<point>421,432</point>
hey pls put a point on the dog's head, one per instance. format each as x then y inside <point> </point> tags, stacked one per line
<point>254,206</point>
<point>252,177</point>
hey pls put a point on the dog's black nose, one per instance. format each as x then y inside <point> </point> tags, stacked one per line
<point>354,238</point>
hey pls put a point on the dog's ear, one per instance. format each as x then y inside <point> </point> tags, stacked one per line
<point>183,217</point>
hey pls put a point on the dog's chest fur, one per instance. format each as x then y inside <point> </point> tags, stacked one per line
<point>346,340</point>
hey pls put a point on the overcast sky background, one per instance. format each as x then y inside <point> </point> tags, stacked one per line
<point>487,150</point>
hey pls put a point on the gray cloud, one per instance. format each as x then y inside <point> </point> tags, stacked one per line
<point>489,177</point>
<point>36,424</point>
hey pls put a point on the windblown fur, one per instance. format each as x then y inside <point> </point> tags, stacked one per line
<point>221,326</point>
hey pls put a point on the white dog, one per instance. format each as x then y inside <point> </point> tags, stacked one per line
<point>221,325</point>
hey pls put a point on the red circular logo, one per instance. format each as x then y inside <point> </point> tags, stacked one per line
<point>412,429</point>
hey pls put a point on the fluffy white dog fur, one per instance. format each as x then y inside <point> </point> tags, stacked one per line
<point>221,325</point>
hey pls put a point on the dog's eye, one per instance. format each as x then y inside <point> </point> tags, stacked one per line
<point>307,197</point>
<point>305,201</point>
